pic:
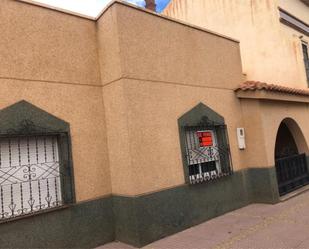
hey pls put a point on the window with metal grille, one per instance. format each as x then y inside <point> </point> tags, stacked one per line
<point>204,145</point>
<point>306,59</point>
<point>207,152</point>
<point>30,178</point>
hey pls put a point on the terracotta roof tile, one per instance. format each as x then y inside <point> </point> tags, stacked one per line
<point>256,85</point>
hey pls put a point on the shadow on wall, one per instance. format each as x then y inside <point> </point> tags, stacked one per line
<point>290,139</point>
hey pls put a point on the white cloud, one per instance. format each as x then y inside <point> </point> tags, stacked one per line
<point>86,7</point>
<point>137,2</point>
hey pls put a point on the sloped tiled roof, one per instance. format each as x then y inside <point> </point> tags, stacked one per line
<point>257,85</point>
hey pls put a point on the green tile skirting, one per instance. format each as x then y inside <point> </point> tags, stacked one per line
<point>151,217</point>
<point>84,225</point>
<point>262,185</point>
<point>143,219</point>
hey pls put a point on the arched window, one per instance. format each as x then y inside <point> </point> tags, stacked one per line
<point>35,161</point>
<point>204,145</point>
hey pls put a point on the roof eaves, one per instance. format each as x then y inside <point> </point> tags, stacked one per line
<point>260,86</point>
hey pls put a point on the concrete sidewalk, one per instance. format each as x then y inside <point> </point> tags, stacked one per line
<point>257,226</point>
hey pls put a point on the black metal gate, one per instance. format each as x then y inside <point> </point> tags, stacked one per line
<point>292,173</point>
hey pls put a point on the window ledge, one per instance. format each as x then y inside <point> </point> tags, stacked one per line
<point>35,213</point>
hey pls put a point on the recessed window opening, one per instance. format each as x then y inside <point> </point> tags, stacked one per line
<point>306,59</point>
<point>207,153</point>
<point>30,179</point>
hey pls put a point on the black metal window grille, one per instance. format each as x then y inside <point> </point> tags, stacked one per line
<point>30,178</point>
<point>292,173</point>
<point>306,59</point>
<point>207,163</point>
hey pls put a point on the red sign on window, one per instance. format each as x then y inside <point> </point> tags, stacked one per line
<point>205,138</point>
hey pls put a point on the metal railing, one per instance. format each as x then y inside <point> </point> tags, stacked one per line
<point>211,162</point>
<point>292,173</point>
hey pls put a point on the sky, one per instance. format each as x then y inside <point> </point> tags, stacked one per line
<point>94,7</point>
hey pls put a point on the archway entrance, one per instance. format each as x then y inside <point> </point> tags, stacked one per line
<point>290,159</point>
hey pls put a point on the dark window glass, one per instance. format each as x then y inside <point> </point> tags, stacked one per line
<point>306,59</point>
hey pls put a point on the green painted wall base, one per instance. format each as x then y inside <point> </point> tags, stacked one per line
<point>143,219</point>
<point>262,185</point>
<point>85,225</point>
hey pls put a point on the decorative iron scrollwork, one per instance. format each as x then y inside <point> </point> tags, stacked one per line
<point>207,151</point>
<point>30,176</point>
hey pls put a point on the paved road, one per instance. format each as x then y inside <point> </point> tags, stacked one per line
<point>257,226</point>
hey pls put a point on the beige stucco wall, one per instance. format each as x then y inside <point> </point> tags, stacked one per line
<point>254,131</point>
<point>108,46</point>
<point>272,115</point>
<point>269,53</point>
<point>262,119</point>
<point>295,7</point>
<point>143,135</point>
<point>43,44</point>
<point>153,129</point>
<point>50,59</point>
<point>122,82</point>
<point>166,69</point>
<point>103,78</point>
<point>157,49</point>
